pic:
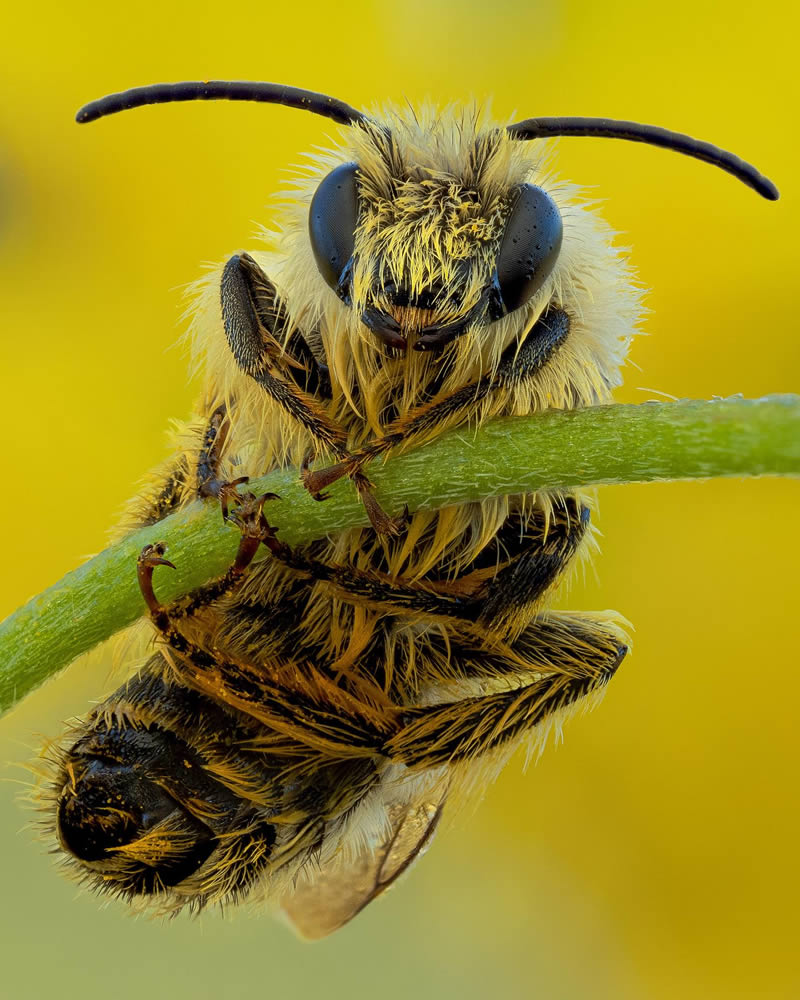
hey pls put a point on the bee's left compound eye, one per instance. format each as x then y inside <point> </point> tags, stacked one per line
<point>332,223</point>
<point>530,247</point>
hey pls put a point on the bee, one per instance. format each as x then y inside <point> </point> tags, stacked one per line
<point>301,721</point>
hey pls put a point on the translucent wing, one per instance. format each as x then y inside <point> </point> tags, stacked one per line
<point>328,899</point>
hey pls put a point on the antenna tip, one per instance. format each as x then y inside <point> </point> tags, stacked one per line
<point>768,190</point>
<point>85,114</point>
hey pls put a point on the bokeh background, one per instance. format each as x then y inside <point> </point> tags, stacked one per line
<point>654,855</point>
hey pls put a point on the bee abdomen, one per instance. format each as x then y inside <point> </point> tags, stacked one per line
<point>136,806</point>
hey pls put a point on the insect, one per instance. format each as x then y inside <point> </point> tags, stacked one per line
<point>302,720</point>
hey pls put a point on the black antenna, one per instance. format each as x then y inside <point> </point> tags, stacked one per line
<point>227,90</point>
<point>608,128</point>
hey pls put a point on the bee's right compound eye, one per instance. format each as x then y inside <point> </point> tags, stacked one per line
<point>332,223</point>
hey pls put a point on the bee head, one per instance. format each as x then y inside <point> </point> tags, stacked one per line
<point>428,232</point>
<point>141,816</point>
<point>427,235</point>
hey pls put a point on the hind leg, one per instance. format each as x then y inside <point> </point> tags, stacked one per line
<point>557,662</point>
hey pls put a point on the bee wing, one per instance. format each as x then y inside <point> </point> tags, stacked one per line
<point>323,902</point>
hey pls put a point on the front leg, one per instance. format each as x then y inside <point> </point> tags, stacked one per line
<point>254,321</point>
<point>518,365</point>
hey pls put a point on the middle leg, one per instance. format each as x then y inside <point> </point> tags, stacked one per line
<point>497,593</point>
<point>285,696</point>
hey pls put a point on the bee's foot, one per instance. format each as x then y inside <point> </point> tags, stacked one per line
<point>150,557</point>
<point>378,518</point>
<point>225,491</point>
<point>153,555</point>
<point>248,516</point>
<point>316,481</point>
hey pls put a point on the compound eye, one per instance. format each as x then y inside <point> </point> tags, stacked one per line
<point>530,246</point>
<point>332,223</point>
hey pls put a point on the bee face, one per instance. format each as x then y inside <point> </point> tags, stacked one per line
<point>422,249</point>
<point>430,232</point>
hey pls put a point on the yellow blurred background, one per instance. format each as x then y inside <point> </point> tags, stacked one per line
<point>655,854</point>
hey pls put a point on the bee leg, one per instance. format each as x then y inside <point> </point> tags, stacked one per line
<point>174,488</point>
<point>211,451</point>
<point>518,365</point>
<point>291,717</point>
<point>209,460</point>
<point>253,318</point>
<point>315,483</point>
<point>150,557</point>
<point>369,587</point>
<point>529,555</point>
<point>168,495</point>
<point>497,593</point>
<point>560,659</point>
<point>249,518</point>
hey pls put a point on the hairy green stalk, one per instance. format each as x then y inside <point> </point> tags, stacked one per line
<point>554,450</point>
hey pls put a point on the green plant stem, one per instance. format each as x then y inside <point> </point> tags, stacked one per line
<point>554,450</point>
